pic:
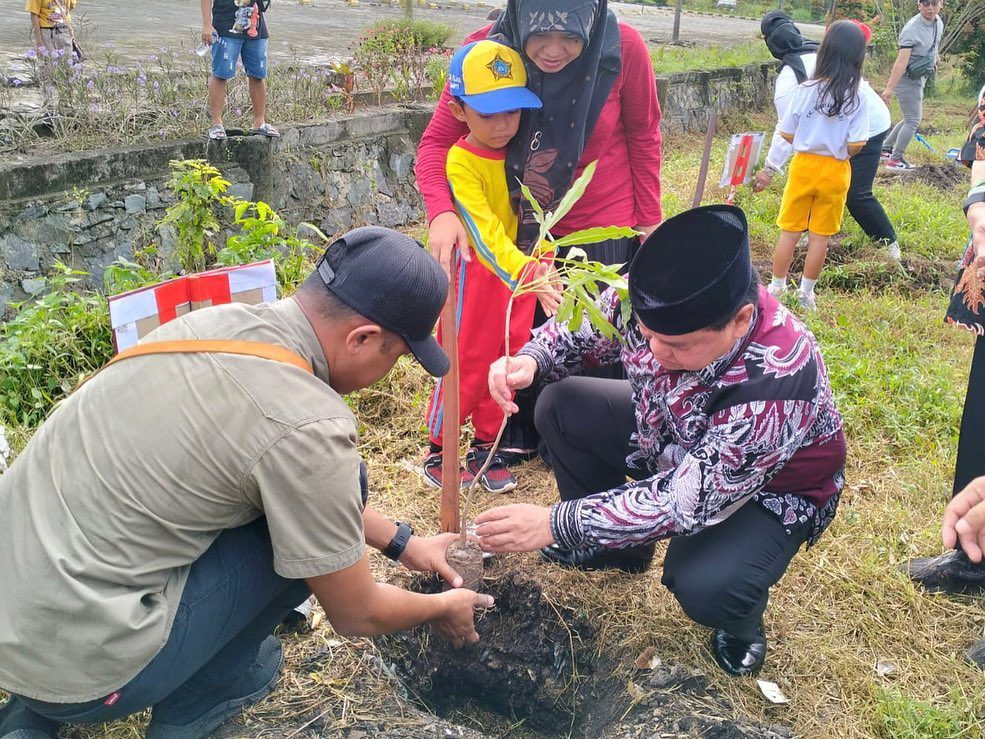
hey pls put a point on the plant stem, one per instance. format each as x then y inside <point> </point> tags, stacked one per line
<point>499,437</point>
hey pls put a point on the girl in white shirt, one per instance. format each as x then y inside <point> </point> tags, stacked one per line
<point>826,123</point>
<point>799,57</point>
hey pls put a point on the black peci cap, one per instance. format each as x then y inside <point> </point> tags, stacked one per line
<point>392,280</point>
<point>692,271</point>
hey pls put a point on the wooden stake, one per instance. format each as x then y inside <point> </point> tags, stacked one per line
<point>699,190</point>
<point>451,425</point>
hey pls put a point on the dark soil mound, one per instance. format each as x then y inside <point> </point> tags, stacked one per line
<point>538,671</point>
<point>532,662</point>
<point>942,176</point>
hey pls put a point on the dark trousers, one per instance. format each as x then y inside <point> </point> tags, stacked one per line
<point>232,601</point>
<point>862,202</point>
<point>721,576</point>
<point>520,435</point>
<point>971,438</point>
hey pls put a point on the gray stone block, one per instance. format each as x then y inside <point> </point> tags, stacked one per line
<point>401,164</point>
<point>34,285</point>
<point>19,255</point>
<point>135,203</point>
<point>241,190</point>
<point>95,200</point>
<point>153,197</point>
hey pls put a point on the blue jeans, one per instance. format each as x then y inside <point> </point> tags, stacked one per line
<point>232,601</point>
<point>226,50</point>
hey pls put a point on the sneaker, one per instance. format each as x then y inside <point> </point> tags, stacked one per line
<point>432,471</point>
<point>898,165</point>
<point>497,478</point>
<point>885,154</point>
<point>894,251</point>
<point>976,655</point>
<point>514,457</point>
<point>807,302</point>
<point>776,292</point>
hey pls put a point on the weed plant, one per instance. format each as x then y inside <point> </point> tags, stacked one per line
<point>396,55</point>
<point>49,346</point>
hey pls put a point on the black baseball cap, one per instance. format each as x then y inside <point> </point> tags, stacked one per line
<point>392,280</point>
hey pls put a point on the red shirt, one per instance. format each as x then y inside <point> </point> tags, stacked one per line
<point>626,142</point>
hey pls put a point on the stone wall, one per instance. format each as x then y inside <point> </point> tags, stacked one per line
<point>687,98</point>
<point>86,209</point>
<point>89,208</point>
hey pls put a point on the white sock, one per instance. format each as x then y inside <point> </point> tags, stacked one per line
<point>778,283</point>
<point>807,285</point>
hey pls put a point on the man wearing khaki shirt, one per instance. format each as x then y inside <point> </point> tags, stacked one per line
<point>174,509</point>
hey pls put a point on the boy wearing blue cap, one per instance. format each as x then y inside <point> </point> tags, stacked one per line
<point>488,83</point>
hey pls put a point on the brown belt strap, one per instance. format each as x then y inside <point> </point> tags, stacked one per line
<point>217,346</point>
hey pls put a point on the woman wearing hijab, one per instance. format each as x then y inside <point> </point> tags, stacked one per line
<point>799,57</point>
<point>595,78</point>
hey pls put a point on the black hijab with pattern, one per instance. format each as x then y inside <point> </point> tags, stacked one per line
<point>786,43</point>
<point>545,152</point>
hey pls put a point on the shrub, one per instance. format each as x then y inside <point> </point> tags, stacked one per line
<point>264,235</point>
<point>200,191</point>
<point>49,346</point>
<point>396,54</point>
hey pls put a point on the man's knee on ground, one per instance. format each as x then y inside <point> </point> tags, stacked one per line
<point>714,600</point>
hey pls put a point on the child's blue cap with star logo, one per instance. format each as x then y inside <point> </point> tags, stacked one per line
<point>490,77</point>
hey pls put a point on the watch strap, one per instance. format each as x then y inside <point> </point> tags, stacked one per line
<point>399,541</point>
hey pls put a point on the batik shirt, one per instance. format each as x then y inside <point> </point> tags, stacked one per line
<point>757,426</point>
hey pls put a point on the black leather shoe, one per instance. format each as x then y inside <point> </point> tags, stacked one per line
<point>738,657</point>
<point>632,560</point>
<point>948,573</point>
<point>976,655</point>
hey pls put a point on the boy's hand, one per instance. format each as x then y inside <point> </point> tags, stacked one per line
<point>549,294</point>
<point>207,33</point>
<point>445,233</point>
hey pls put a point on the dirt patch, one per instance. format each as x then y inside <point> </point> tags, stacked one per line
<point>941,176</point>
<point>870,271</point>
<point>538,671</point>
<point>533,663</point>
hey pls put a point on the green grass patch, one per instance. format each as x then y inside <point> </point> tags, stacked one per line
<point>899,400</point>
<point>902,717</point>
<point>670,59</point>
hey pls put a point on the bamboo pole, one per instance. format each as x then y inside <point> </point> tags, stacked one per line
<point>451,424</point>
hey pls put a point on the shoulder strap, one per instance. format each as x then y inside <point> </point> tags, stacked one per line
<point>273,352</point>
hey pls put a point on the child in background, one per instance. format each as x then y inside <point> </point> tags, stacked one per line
<point>51,24</point>
<point>488,83</point>
<point>827,123</point>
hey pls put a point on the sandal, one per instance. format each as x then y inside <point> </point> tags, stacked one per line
<point>266,130</point>
<point>217,132</point>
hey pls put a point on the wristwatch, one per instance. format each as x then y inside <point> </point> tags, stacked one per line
<point>399,541</point>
